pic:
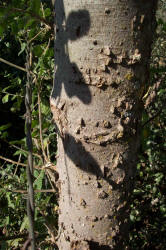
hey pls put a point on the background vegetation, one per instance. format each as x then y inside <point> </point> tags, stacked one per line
<point>148,209</point>
<point>32,21</point>
<point>22,22</point>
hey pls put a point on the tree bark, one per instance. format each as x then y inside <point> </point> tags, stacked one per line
<point>102,50</point>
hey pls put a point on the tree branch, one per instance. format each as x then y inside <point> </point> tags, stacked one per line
<point>17,163</point>
<point>13,162</point>
<point>25,191</point>
<point>12,64</point>
<point>152,118</point>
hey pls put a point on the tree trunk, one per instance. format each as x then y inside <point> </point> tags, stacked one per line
<point>102,50</point>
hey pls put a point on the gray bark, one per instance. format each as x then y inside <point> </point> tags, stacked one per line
<point>102,50</point>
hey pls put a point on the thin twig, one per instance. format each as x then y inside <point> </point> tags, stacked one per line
<point>49,178</point>
<point>29,168</point>
<point>46,158</point>
<point>19,159</point>
<point>47,47</point>
<point>25,191</point>
<point>152,118</point>
<point>33,38</point>
<point>5,92</point>
<point>18,163</point>
<point>48,152</point>
<point>13,162</point>
<point>12,64</point>
<point>40,128</point>
<point>26,244</point>
<point>43,11</point>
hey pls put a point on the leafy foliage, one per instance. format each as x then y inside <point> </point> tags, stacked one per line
<point>22,22</point>
<point>148,210</point>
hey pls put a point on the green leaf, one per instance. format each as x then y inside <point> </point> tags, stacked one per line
<point>35,6</point>
<point>163,209</point>
<point>7,220</point>
<point>23,46</point>
<point>132,217</point>
<point>39,181</point>
<point>6,126</point>
<point>10,202</point>
<point>45,142</point>
<point>160,21</point>
<point>35,123</point>
<point>24,224</point>
<point>5,98</point>
<point>14,28</point>
<point>32,33</point>
<point>15,243</point>
<point>50,52</point>
<point>137,191</point>
<point>161,92</point>
<point>18,142</point>
<point>45,108</point>
<point>47,12</point>
<point>37,50</point>
<point>20,152</point>
<point>4,135</point>
<point>31,23</point>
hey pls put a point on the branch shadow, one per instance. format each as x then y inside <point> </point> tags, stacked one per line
<point>83,160</point>
<point>67,73</point>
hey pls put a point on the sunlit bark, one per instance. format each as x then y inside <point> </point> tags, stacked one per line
<point>102,50</point>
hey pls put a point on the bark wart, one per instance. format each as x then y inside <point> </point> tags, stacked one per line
<point>102,50</point>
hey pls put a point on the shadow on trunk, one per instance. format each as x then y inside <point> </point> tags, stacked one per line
<point>67,73</point>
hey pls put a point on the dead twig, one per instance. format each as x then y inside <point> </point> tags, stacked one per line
<point>25,191</point>
<point>13,162</point>
<point>18,163</point>
<point>12,64</point>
